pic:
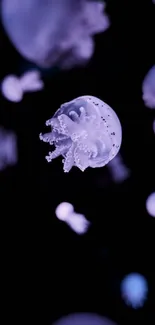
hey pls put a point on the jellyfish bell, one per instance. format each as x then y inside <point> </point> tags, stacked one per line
<point>86,132</point>
<point>150,204</point>
<point>134,290</point>
<point>84,319</point>
<point>63,210</point>
<point>148,88</point>
<point>11,88</point>
<point>56,32</point>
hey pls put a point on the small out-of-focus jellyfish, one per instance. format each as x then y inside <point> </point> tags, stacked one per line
<point>84,319</point>
<point>63,210</point>
<point>148,88</point>
<point>8,149</point>
<point>86,132</point>
<point>13,88</point>
<point>154,126</point>
<point>77,222</point>
<point>150,204</point>
<point>134,290</point>
<point>56,32</point>
<point>118,169</point>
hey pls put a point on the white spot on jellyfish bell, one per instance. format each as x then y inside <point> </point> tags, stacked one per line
<point>84,319</point>
<point>86,132</point>
<point>134,289</point>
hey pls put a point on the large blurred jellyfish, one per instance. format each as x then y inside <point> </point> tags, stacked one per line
<point>8,149</point>
<point>86,132</point>
<point>84,319</point>
<point>148,88</point>
<point>13,88</point>
<point>56,32</point>
<point>77,222</point>
<point>150,204</point>
<point>134,290</point>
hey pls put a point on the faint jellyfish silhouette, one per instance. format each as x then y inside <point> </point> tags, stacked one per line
<point>154,126</point>
<point>84,319</point>
<point>134,290</point>
<point>148,88</point>
<point>86,132</point>
<point>150,204</point>
<point>118,169</point>
<point>60,33</point>
<point>13,87</point>
<point>77,222</point>
<point>8,149</point>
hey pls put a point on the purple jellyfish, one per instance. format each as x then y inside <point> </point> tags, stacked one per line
<point>84,319</point>
<point>56,32</point>
<point>148,88</point>
<point>86,132</point>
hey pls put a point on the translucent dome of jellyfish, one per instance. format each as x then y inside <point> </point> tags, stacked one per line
<point>84,319</point>
<point>56,32</point>
<point>86,132</point>
<point>150,204</point>
<point>148,88</point>
<point>134,289</point>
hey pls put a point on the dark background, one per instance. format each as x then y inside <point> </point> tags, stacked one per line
<point>46,269</point>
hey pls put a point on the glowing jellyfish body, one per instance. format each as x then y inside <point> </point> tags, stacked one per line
<point>148,88</point>
<point>118,169</point>
<point>77,222</point>
<point>84,319</point>
<point>13,88</point>
<point>154,126</point>
<point>134,289</point>
<point>150,204</point>
<point>63,210</point>
<point>8,149</point>
<point>56,32</point>
<point>86,132</point>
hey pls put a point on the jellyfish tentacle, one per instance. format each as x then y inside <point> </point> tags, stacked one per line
<point>74,116</point>
<point>69,159</point>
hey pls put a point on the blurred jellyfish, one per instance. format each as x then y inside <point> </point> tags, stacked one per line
<point>148,88</point>
<point>150,204</point>
<point>56,32</point>
<point>63,210</point>
<point>13,88</point>
<point>84,319</point>
<point>154,126</point>
<point>118,169</point>
<point>77,222</point>
<point>86,132</point>
<point>134,290</point>
<point>8,149</point>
